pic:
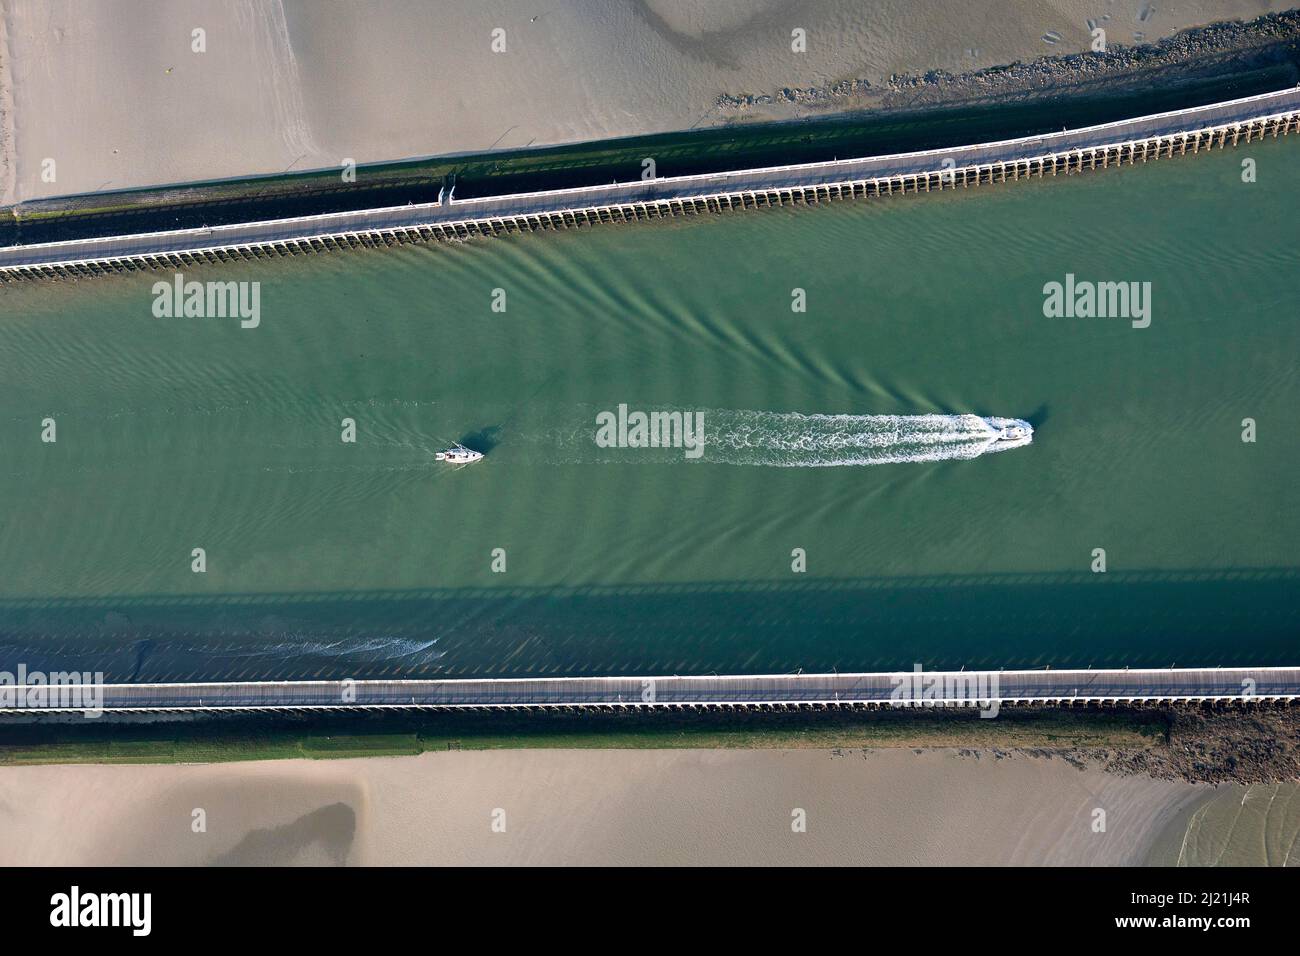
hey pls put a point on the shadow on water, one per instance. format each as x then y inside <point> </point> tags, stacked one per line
<point>483,439</point>
<point>1038,416</point>
<point>1142,618</point>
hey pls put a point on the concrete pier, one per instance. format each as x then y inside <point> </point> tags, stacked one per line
<point>1229,686</point>
<point>1126,142</point>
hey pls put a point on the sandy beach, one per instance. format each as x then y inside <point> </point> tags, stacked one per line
<point>113,92</point>
<point>595,807</point>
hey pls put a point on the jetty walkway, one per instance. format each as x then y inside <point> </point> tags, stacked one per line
<point>1140,139</point>
<point>1165,687</point>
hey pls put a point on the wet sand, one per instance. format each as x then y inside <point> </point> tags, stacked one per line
<point>593,807</point>
<point>111,91</point>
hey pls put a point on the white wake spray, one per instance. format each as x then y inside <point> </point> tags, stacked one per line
<point>797,440</point>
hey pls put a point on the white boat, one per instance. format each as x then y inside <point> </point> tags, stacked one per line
<point>1009,433</point>
<point>459,455</point>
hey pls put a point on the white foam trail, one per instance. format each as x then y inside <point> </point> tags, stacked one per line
<point>797,440</point>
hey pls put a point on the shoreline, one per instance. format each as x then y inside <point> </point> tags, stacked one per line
<point>1141,138</point>
<point>928,110</point>
<point>1208,745</point>
<point>318,75</point>
<point>593,164</point>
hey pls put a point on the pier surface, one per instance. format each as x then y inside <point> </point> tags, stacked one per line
<point>1165,686</point>
<point>1139,139</point>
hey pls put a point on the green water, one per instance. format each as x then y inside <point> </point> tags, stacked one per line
<point>369,559</point>
<point>1234,825</point>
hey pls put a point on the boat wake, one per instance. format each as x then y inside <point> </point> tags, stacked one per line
<point>797,440</point>
<point>794,440</point>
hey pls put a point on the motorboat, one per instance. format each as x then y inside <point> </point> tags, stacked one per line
<point>458,454</point>
<point>1009,433</point>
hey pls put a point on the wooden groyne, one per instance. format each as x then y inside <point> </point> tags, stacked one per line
<point>1125,142</point>
<point>1229,686</point>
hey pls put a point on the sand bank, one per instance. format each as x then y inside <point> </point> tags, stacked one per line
<point>112,91</point>
<point>593,807</point>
